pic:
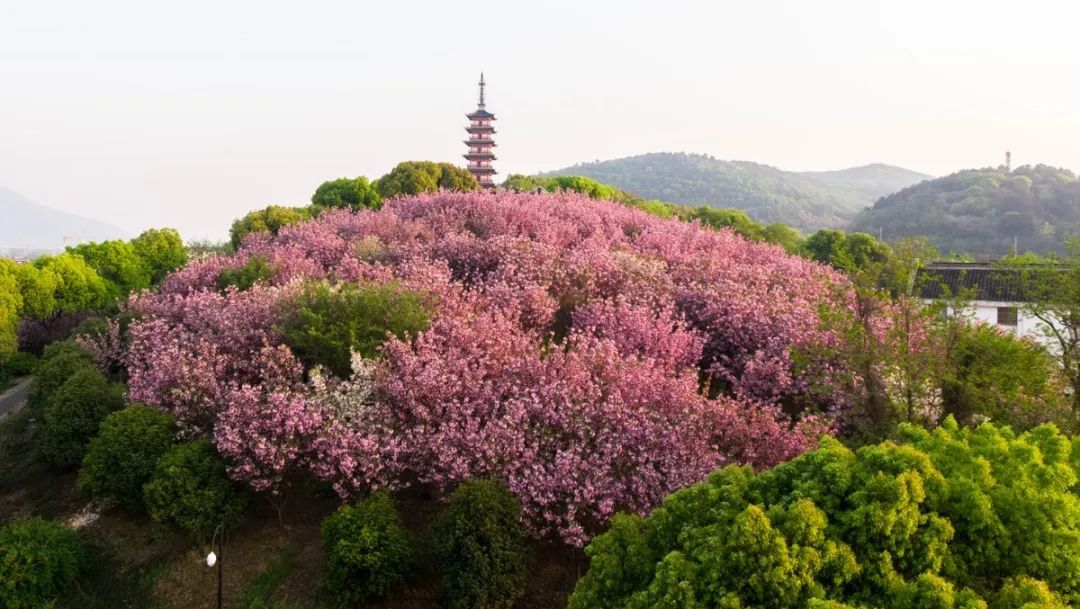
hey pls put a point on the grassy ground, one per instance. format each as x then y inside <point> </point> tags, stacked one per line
<point>268,563</point>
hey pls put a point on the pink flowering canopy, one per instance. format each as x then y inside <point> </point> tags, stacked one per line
<point>592,356</point>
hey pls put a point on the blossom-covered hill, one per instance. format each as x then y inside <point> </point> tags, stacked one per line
<point>594,357</point>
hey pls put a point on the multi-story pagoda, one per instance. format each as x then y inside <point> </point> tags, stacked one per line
<point>480,142</point>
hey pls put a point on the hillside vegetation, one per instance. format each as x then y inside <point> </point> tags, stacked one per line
<point>805,201</point>
<point>983,212</point>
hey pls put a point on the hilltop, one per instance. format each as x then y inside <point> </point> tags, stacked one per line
<point>807,201</point>
<point>983,212</point>
<point>28,225</point>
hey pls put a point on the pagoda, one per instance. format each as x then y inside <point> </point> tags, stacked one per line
<point>480,143</point>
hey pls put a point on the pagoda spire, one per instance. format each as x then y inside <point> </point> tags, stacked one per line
<point>480,142</point>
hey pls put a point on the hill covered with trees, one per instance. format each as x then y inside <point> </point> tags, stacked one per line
<point>807,201</point>
<point>983,212</point>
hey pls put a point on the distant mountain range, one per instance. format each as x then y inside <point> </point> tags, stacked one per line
<point>27,225</point>
<point>983,212</point>
<point>805,200</point>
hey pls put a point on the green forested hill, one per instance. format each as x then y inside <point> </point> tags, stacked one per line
<point>982,211</point>
<point>807,201</point>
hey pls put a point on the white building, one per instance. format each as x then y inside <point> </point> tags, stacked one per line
<point>992,295</point>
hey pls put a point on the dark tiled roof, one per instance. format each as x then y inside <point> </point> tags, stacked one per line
<point>978,281</point>
<point>480,113</point>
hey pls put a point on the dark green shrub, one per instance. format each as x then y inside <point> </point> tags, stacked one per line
<point>21,363</point>
<point>368,552</point>
<point>257,270</point>
<point>60,362</point>
<point>38,560</point>
<point>74,413</point>
<point>324,323</point>
<point>950,518</point>
<point>121,459</point>
<point>480,547</point>
<point>191,490</point>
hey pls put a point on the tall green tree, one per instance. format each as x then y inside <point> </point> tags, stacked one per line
<point>118,264</point>
<point>162,251</point>
<point>348,193</point>
<point>416,177</point>
<point>78,287</point>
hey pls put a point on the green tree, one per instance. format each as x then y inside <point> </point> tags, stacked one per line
<point>953,518</point>
<point>11,304</point>
<point>272,219</point>
<point>190,489</point>
<point>78,287</point>
<point>162,251</point>
<point>368,552</point>
<point>480,547</point>
<point>38,560</point>
<point>348,193</point>
<point>324,324</point>
<point>416,177</point>
<point>846,252</point>
<point>118,264</point>
<point>1052,291</point>
<point>73,414</point>
<point>121,458</point>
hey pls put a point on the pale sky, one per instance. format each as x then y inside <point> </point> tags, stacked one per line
<point>190,113</point>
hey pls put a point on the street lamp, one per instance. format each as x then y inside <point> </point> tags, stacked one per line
<point>215,559</point>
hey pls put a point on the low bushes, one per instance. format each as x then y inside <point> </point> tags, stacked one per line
<point>20,363</point>
<point>38,560</point>
<point>61,360</point>
<point>953,518</point>
<point>368,552</point>
<point>190,489</point>
<point>480,547</point>
<point>73,414</point>
<point>121,459</point>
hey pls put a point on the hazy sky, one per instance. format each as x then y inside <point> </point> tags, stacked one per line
<point>190,113</point>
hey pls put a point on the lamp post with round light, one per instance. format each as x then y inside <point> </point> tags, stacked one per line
<point>216,559</point>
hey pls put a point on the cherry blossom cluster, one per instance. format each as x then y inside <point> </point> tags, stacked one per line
<point>592,356</point>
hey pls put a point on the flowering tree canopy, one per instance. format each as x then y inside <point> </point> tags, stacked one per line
<point>592,356</point>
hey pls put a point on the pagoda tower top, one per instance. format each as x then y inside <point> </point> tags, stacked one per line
<point>480,142</point>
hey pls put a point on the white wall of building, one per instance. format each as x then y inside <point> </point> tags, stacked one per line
<point>987,311</point>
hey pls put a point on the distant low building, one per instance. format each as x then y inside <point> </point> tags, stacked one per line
<point>993,295</point>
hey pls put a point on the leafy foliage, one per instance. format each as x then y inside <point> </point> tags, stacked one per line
<point>190,489</point>
<point>418,177</point>
<point>983,211</point>
<point>480,547</point>
<point>20,363</point>
<point>997,376</point>
<point>118,264</point>
<point>121,459</point>
<point>162,251</point>
<point>73,414</point>
<point>60,362</point>
<point>243,278</point>
<point>949,518</point>
<point>38,560</point>
<point>271,220</point>
<point>368,552</point>
<point>324,324</point>
<point>348,193</point>
<point>846,251</point>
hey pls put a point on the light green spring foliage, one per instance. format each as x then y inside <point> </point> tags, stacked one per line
<point>271,219</point>
<point>162,251</point>
<point>11,305</point>
<point>951,519</point>
<point>118,264</point>
<point>846,251</point>
<point>76,285</point>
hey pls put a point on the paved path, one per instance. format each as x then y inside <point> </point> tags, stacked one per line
<point>13,400</point>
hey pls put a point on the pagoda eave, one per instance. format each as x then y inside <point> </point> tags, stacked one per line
<point>479,143</point>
